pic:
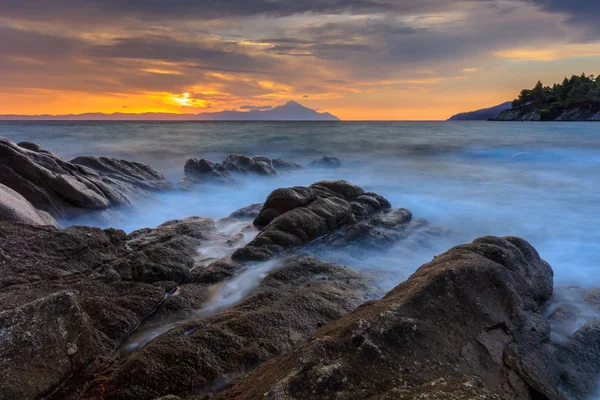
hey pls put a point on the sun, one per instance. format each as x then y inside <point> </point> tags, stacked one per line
<point>183,100</point>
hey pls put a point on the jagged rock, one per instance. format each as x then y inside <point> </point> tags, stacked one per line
<point>326,162</point>
<point>471,312</point>
<point>295,216</point>
<point>204,171</point>
<point>257,165</point>
<point>62,303</point>
<point>14,207</point>
<point>134,173</point>
<point>205,354</point>
<point>198,171</point>
<point>65,189</point>
<point>534,113</point>
<point>167,252</point>
<point>248,212</point>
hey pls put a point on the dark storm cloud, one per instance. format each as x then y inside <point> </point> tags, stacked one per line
<point>586,12</point>
<point>203,9</point>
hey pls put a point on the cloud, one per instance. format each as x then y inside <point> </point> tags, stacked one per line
<point>239,53</point>
<point>18,42</point>
<point>579,12</point>
<point>98,10</point>
<point>216,56</point>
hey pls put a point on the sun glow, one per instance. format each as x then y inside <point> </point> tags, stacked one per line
<point>184,100</point>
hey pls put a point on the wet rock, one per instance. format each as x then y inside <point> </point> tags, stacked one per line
<point>67,189</point>
<point>206,354</point>
<point>14,207</point>
<point>199,171</point>
<point>167,252</point>
<point>580,359</point>
<point>247,213</point>
<point>255,165</point>
<point>232,167</point>
<point>215,272</point>
<point>134,173</point>
<point>486,295</point>
<point>295,216</point>
<point>326,162</point>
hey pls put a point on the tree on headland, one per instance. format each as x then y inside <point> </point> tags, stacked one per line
<point>577,91</point>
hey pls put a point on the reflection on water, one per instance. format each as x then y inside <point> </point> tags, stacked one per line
<point>535,180</point>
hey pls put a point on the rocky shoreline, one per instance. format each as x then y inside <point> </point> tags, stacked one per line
<point>536,114</point>
<point>243,307</point>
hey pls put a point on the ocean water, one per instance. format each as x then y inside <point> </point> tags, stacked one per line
<point>540,181</point>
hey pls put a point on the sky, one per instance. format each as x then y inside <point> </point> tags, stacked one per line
<point>358,59</point>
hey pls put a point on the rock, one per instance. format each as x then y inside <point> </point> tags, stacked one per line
<point>534,113</point>
<point>592,296</point>
<point>14,207</point>
<point>326,162</point>
<point>137,174</point>
<point>67,189</point>
<point>91,288</point>
<point>167,252</point>
<point>255,165</point>
<point>282,165</point>
<point>580,357</point>
<point>295,216</point>
<point>232,167</point>
<point>456,328</point>
<point>207,354</point>
<point>215,272</point>
<point>62,304</point>
<point>42,343</point>
<point>198,171</point>
<point>248,212</point>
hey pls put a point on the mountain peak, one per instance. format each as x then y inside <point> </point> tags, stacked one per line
<point>292,103</point>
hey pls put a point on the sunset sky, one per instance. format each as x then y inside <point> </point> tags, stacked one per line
<point>358,59</point>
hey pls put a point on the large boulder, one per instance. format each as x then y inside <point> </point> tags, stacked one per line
<point>66,189</point>
<point>295,216</point>
<point>207,352</point>
<point>14,207</point>
<point>463,325</point>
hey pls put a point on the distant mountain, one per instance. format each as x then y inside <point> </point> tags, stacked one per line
<point>290,111</point>
<point>483,114</point>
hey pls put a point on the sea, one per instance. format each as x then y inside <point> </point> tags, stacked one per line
<point>539,181</point>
